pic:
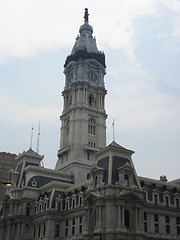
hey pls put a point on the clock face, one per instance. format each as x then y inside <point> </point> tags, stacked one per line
<point>92,75</point>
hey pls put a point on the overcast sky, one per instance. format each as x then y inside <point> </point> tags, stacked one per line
<point>141,41</point>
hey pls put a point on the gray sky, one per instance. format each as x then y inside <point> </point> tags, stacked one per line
<point>141,43</point>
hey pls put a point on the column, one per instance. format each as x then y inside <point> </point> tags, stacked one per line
<point>110,169</point>
<point>119,215</point>
<point>87,218</point>
<point>99,216</point>
<point>122,215</point>
<point>141,219</point>
<point>137,219</point>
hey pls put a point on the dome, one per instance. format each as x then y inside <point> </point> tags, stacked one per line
<point>85,40</point>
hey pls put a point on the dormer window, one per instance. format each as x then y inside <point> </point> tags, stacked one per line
<point>34,183</point>
<point>156,199</point>
<point>126,180</point>
<point>167,200</point>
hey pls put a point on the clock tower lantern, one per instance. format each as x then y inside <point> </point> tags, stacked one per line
<point>83,120</point>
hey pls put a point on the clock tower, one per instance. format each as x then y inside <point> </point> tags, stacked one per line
<point>83,120</point>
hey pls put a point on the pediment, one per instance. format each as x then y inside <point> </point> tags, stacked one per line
<point>131,195</point>
<point>92,196</point>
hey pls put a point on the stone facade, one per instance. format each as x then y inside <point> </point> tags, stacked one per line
<point>7,163</point>
<point>94,191</point>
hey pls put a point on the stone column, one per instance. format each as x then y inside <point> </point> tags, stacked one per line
<point>122,215</point>
<point>161,225</point>
<point>110,169</point>
<point>8,232</point>
<point>49,230</point>
<point>99,216</point>
<point>151,223</point>
<point>141,219</point>
<point>18,231</point>
<point>119,216</point>
<point>136,219</point>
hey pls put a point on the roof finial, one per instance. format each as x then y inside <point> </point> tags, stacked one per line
<point>113,129</point>
<point>31,137</point>
<point>86,15</point>
<point>38,137</point>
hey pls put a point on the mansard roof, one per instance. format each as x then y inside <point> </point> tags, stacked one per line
<point>115,147</point>
<point>29,153</point>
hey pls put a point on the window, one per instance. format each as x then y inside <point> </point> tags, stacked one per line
<point>73,226</point>
<point>28,210</point>
<point>126,178</point>
<point>96,181</point>
<point>178,225</point>
<point>167,221</point>
<point>92,126</point>
<point>34,232</point>
<point>56,233</point>
<point>80,224</point>
<point>167,229</point>
<point>39,232</point>
<point>73,203</point>
<point>67,204</point>
<point>80,201</point>
<point>58,206</point>
<point>156,223</point>
<point>45,206</point>
<point>177,202</point>
<point>67,225</point>
<point>127,219</point>
<point>44,230</point>
<point>91,100</point>
<point>167,201</point>
<point>156,199</point>
<point>145,222</point>
<point>93,144</point>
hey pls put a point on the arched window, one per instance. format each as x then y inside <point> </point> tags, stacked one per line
<point>126,219</point>
<point>92,126</point>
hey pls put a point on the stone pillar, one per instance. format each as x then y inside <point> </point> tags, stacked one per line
<point>119,216</point>
<point>18,231</point>
<point>173,225</point>
<point>99,223</point>
<point>141,219</point>
<point>85,219</point>
<point>122,215</point>
<point>49,230</point>
<point>136,219</point>
<point>8,232</point>
<point>110,169</point>
<point>1,232</point>
<point>162,225</point>
<point>151,223</point>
